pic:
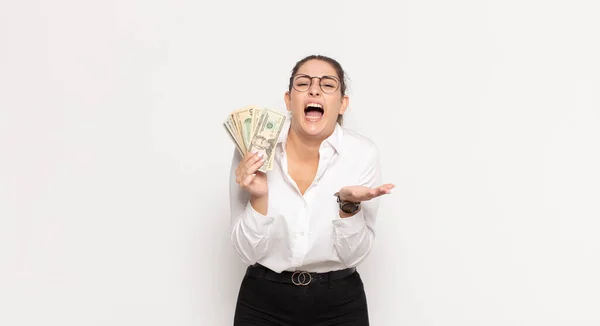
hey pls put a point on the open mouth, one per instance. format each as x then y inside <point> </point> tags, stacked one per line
<point>313,112</point>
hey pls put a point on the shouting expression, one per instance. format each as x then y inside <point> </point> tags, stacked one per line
<point>315,100</point>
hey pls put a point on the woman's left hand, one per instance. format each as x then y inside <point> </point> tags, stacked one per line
<point>358,194</point>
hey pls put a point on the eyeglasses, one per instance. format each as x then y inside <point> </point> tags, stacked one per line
<point>328,84</point>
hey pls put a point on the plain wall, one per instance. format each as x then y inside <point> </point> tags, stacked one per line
<point>114,162</point>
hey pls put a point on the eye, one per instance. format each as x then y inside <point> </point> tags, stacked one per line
<point>329,83</point>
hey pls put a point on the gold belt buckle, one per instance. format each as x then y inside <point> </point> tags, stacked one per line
<point>304,278</point>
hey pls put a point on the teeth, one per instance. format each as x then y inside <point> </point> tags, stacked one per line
<point>315,105</point>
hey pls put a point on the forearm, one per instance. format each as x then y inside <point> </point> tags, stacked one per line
<point>250,226</point>
<point>251,231</point>
<point>353,238</point>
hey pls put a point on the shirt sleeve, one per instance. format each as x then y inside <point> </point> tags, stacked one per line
<point>354,235</point>
<point>249,229</point>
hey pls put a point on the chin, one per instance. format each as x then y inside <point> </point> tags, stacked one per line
<point>315,128</point>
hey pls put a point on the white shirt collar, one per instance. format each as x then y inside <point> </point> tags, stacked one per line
<point>335,139</point>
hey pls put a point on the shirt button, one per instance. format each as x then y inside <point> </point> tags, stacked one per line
<point>301,233</point>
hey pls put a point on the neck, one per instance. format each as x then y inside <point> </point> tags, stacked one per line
<point>303,147</point>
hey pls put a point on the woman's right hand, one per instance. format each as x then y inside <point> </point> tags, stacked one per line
<point>248,176</point>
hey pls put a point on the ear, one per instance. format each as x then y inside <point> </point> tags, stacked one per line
<point>345,102</point>
<point>287,99</point>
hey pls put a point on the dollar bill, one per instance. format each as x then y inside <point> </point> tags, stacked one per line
<point>265,136</point>
<point>256,114</point>
<point>244,121</point>
<point>228,127</point>
<point>257,128</point>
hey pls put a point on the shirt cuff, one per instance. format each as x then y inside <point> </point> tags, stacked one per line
<point>255,221</point>
<point>350,225</point>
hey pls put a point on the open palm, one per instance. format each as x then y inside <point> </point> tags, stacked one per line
<point>361,193</point>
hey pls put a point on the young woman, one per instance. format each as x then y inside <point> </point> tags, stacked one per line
<point>305,225</point>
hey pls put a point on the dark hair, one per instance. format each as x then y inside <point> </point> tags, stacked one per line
<point>336,65</point>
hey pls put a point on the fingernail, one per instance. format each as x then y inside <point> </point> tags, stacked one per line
<point>254,151</point>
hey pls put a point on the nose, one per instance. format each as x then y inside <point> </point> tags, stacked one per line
<point>315,87</point>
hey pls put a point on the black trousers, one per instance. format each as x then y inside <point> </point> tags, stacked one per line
<point>263,302</point>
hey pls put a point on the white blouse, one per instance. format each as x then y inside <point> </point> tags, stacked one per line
<point>306,232</point>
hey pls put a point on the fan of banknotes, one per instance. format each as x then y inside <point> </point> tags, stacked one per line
<point>255,128</point>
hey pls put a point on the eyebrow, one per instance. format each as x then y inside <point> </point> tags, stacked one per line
<point>330,76</point>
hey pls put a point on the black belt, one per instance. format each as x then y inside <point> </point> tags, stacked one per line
<point>297,277</point>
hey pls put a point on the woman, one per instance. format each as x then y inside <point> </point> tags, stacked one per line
<point>305,225</point>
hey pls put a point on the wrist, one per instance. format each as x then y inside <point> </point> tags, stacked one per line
<point>259,197</point>
<point>260,203</point>
<point>347,208</point>
<point>346,215</point>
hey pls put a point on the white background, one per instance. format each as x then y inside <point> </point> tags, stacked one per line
<point>114,162</point>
